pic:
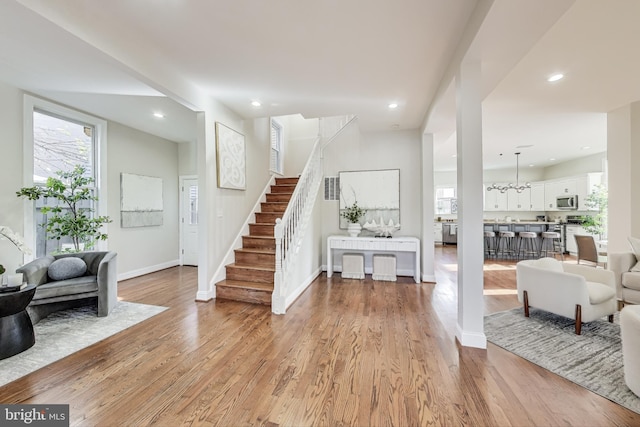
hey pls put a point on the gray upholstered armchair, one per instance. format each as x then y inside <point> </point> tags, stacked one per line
<point>61,286</point>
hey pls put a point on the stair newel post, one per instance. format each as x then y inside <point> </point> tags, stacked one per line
<point>278,305</point>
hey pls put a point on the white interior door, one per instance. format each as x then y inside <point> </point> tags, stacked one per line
<point>189,222</point>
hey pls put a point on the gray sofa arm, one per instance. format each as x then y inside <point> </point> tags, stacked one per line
<point>620,262</point>
<point>107,283</point>
<point>35,272</point>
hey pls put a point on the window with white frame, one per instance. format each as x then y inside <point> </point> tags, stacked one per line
<point>277,143</point>
<point>446,202</point>
<point>59,138</point>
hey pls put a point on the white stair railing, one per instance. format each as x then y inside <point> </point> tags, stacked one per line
<point>290,229</point>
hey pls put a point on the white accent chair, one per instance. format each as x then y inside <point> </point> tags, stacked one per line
<point>629,328</point>
<point>575,291</point>
<point>626,267</point>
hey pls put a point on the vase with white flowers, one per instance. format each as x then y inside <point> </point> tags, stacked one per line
<point>8,234</point>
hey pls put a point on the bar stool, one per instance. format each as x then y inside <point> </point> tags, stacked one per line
<point>506,243</point>
<point>490,246</point>
<point>528,244</point>
<point>551,243</point>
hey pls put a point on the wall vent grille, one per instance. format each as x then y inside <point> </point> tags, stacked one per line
<point>332,188</point>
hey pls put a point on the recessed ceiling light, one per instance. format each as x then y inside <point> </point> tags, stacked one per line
<point>531,165</point>
<point>555,77</point>
<point>393,105</point>
<point>586,147</point>
<point>158,115</point>
<point>552,159</point>
<point>256,103</point>
<point>524,146</point>
<point>454,155</point>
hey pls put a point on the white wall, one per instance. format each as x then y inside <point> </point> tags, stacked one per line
<point>352,151</point>
<point>143,249</point>
<point>623,146</point>
<point>140,250</point>
<point>300,134</point>
<point>187,156</point>
<point>223,211</point>
<point>581,165</point>
<point>11,208</point>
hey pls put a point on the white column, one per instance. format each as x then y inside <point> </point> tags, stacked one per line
<point>428,273</point>
<point>623,154</point>
<point>470,328</point>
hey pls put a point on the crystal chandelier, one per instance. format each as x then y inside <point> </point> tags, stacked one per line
<point>503,188</point>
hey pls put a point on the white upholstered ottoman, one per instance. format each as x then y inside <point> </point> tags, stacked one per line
<point>353,266</point>
<point>384,268</point>
<point>630,334</point>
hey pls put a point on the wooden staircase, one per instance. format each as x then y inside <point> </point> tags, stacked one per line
<point>250,277</point>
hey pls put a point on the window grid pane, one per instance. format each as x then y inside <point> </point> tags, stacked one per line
<point>60,145</point>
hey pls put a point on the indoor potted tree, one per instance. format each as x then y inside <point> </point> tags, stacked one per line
<point>597,224</point>
<point>69,218</point>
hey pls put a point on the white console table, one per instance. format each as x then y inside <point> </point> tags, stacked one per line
<point>375,244</point>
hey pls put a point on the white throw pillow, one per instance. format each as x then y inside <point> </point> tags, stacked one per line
<point>635,247</point>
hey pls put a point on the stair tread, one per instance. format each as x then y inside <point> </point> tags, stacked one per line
<point>261,237</point>
<point>257,250</point>
<point>246,285</point>
<point>251,267</point>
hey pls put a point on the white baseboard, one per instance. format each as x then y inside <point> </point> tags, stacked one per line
<point>337,268</point>
<point>295,294</point>
<point>147,270</point>
<point>430,278</point>
<point>471,339</point>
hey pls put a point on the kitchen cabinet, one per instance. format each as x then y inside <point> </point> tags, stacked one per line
<point>537,196</point>
<point>494,200</point>
<point>553,189</point>
<point>519,201</point>
<point>437,232</point>
<point>450,233</point>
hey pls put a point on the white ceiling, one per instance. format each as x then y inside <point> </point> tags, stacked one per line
<point>116,59</point>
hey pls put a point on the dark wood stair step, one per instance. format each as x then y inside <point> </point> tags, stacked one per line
<point>250,273</point>
<point>238,290</point>
<point>287,180</point>
<point>259,242</point>
<point>267,217</point>
<point>273,206</point>
<point>278,197</point>
<point>286,188</point>
<point>261,229</point>
<point>256,257</point>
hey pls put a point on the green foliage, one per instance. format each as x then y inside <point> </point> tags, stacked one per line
<point>69,218</point>
<point>597,224</point>
<point>353,213</point>
<point>2,270</point>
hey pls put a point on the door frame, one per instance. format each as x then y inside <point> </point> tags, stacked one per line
<point>181,180</point>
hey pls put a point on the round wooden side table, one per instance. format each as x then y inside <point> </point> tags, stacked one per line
<point>16,329</point>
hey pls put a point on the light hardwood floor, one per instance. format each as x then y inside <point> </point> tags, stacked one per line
<point>348,352</point>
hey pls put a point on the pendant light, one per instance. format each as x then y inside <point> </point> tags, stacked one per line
<point>519,188</point>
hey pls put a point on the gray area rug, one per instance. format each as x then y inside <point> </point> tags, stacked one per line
<point>65,332</point>
<point>592,360</point>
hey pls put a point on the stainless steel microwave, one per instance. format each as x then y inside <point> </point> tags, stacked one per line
<point>567,202</point>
